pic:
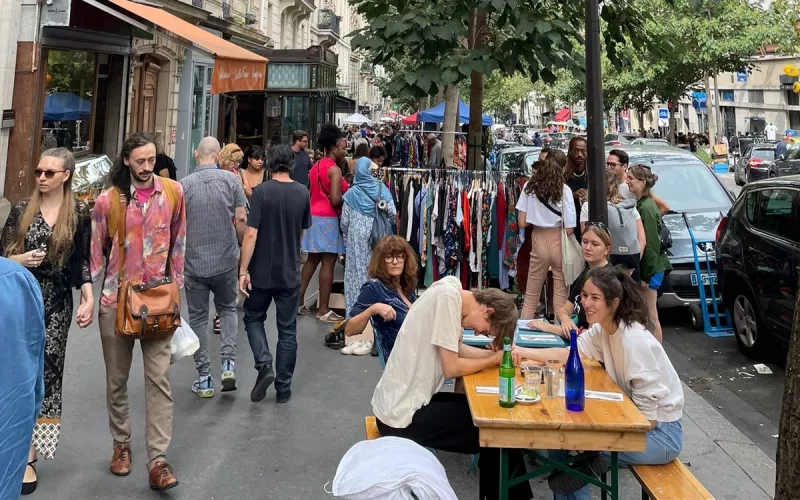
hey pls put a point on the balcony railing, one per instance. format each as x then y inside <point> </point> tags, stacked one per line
<point>226,10</point>
<point>328,20</point>
<point>197,3</point>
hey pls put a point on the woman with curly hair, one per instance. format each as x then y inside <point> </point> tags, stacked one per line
<point>230,158</point>
<point>388,294</point>
<point>323,240</point>
<point>544,203</point>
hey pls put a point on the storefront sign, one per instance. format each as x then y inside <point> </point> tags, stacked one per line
<point>56,12</point>
<point>236,76</point>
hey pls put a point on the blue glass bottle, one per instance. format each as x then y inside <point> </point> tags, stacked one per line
<point>574,392</point>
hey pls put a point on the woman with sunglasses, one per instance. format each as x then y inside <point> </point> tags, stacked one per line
<point>323,240</point>
<point>654,264</point>
<point>387,295</point>
<point>230,158</point>
<point>596,246</point>
<point>50,235</point>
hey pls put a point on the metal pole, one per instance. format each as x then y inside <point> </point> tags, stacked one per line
<point>595,160</point>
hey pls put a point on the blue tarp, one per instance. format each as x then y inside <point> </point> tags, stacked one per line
<point>436,114</point>
<point>67,107</point>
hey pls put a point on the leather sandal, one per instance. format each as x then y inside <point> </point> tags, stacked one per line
<point>28,488</point>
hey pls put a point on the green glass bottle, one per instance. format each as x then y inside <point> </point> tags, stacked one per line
<point>506,385</point>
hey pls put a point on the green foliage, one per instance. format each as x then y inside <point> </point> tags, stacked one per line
<point>533,38</point>
<point>501,92</point>
<point>71,72</point>
<point>566,89</point>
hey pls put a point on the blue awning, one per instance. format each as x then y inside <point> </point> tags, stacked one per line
<point>436,114</point>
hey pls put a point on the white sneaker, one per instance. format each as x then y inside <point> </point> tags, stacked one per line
<point>348,349</point>
<point>364,349</point>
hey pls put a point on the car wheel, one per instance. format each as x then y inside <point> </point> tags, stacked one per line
<point>696,318</point>
<point>750,335</point>
<point>772,175</point>
<point>737,178</point>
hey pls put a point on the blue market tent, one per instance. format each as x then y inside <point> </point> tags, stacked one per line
<point>67,107</point>
<point>436,114</point>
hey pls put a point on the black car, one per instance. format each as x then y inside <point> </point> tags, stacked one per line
<point>787,164</point>
<point>758,251</point>
<point>754,163</point>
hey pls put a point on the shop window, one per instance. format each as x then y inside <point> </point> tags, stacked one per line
<point>288,76</point>
<point>755,96</point>
<point>295,116</point>
<point>69,100</point>
<point>726,95</point>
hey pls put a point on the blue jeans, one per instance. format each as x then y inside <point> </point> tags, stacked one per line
<point>255,314</point>
<point>664,444</point>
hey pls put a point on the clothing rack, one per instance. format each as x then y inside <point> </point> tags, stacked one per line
<point>431,132</point>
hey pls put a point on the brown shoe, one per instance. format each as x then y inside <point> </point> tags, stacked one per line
<point>121,461</point>
<point>162,477</point>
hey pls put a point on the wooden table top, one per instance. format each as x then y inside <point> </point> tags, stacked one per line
<point>552,414</point>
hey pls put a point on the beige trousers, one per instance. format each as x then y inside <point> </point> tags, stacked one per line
<point>545,254</point>
<point>118,354</point>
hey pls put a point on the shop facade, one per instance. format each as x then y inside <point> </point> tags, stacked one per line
<point>300,94</point>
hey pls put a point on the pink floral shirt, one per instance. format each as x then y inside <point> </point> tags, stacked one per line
<point>149,228</point>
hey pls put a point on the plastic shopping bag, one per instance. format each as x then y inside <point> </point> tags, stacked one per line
<point>184,342</point>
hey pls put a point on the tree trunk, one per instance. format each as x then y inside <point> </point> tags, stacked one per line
<point>787,480</point>
<point>709,113</point>
<point>450,123</point>
<point>422,104</point>
<point>476,40</point>
<point>673,122</point>
<point>440,95</point>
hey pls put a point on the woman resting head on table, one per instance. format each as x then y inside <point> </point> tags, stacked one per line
<point>389,293</point>
<point>596,246</point>
<point>615,307</point>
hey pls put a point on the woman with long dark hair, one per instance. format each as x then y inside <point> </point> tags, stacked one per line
<point>50,233</point>
<point>546,204</point>
<point>252,171</point>
<point>654,264</point>
<point>615,307</point>
<point>323,240</point>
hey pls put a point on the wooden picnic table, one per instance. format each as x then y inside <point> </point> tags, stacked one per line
<point>607,426</point>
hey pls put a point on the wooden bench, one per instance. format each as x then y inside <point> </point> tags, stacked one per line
<point>672,481</point>
<point>371,428</point>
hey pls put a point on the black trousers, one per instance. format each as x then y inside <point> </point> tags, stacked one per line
<point>446,424</point>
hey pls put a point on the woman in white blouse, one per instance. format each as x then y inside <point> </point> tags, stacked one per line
<point>543,203</point>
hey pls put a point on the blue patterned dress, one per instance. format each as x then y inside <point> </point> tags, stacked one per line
<point>375,292</point>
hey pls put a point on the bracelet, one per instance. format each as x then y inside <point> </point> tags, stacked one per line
<point>245,274</point>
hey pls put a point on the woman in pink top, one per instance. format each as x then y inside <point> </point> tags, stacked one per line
<point>323,240</point>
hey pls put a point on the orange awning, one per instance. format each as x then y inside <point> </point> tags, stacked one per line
<point>235,68</point>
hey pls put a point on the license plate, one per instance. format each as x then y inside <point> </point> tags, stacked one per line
<point>704,278</point>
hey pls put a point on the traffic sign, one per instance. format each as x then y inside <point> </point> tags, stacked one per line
<point>663,114</point>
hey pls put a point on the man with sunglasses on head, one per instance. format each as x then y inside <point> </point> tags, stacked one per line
<point>618,162</point>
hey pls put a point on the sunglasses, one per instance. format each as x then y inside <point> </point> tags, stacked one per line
<point>599,225</point>
<point>610,164</point>
<point>49,174</point>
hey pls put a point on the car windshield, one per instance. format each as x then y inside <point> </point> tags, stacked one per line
<point>689,187</point>
<point>764,154</point>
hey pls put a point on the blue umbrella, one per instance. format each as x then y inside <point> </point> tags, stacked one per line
<point>65,106</point>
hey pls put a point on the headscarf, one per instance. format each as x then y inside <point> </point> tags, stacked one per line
<point>230,153</point>
<point>366,190</point>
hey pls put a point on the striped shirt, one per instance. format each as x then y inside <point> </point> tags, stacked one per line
<point>212,197</point>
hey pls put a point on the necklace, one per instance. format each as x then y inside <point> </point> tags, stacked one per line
<point>575,174</point>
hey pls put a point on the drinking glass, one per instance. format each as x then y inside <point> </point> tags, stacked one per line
<point>533,378</point>
<point>551,378</point>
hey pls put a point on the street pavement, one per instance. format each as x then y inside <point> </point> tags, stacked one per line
<point>230,448</point>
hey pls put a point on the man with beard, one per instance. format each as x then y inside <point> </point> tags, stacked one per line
<point>575,175</point>
<point>151,219</point>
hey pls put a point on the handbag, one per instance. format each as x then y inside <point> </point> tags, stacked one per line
<point>381,227</point>
<point>572,263</point>
<point>146,311</point>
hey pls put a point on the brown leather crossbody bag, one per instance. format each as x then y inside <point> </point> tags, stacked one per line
<point>146,311</point>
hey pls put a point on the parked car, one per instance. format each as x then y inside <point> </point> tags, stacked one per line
<point>619,139</point>
<point>508,158</point>
<point>754,163</point>
<point>689,187</point>
<point>787,164</point>
<point>758,250</point>
<point>643,141</point>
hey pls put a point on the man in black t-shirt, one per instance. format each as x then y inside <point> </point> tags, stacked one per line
<point>576,175</point>
<point>280,211</point>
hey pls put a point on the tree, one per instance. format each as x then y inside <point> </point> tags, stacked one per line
<point>502,92</point>
<point>787,480</point>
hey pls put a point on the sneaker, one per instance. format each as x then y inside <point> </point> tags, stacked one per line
<point>228,377</point>
<point>335,339</point>
<point>363,349</point>
<point>204,387</point>
<point>265,378</point>
<point>562,483</point>
<point>348,349</point>
<point>284,396</point>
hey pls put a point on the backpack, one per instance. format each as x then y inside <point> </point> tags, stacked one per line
<point>666,236</point>
<point>167,186</point>
<point>381,226</point>
<point>622,226</point>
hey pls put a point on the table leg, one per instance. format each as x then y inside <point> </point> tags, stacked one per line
<point>603,493</point>
<point>504,479</point>
<point>614,475</point>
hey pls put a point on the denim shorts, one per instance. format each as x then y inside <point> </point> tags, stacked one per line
<point>655,281</point>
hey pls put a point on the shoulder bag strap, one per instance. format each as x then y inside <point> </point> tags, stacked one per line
<point>122,212</point>
<point>547,206</point>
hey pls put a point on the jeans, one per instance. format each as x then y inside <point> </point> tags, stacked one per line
<point>445,423</point>
<point>255,314</point>
<point>224,287</point>
<point>664,444</point>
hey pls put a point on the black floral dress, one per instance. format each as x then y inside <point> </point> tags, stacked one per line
<point>56,282</point>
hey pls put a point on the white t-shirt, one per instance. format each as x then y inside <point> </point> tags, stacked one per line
<point>770,130</point>
<point>585,213</point>
<point>539,215</point>
<point>413,373</point>
<point>639,365</point>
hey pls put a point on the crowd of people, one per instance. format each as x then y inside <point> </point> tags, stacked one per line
<point>260,225</point>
